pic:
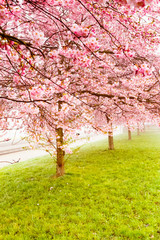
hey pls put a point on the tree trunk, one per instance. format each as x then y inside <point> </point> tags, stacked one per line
<point>144,127</point>
<point>60,153</point>
<point>129,134</point>
<point>110,135</point>
<point>59,145</point>
<point>110,140</point>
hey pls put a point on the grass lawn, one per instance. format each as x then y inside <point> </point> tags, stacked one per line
<point>104,194</point>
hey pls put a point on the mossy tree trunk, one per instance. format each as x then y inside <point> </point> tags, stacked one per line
<point>59,147</point>
<point>60,153</point>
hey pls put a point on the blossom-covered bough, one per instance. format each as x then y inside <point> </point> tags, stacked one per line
<point>63,61</point>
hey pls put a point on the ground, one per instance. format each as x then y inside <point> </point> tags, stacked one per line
<point>103,195</point>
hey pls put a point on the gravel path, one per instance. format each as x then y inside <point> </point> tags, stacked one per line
<point>7,159</point>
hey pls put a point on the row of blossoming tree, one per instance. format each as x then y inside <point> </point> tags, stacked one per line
<point>69,63</point>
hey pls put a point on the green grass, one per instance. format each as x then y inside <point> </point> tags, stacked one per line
<point>104,194</point>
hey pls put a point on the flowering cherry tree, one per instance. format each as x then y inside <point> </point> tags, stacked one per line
<point>62,61</point>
